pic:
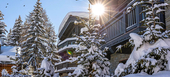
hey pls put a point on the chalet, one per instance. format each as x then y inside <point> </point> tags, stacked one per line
<point>118,23</point>
<point>5,62</point>
<point>67,42</point>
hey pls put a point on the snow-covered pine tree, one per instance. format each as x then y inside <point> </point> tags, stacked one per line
<point>16,32</point>
<point>22,58</point>
<point>51,36</point>
<point>24,30</point>
<point>20,64</point>
<point>47,68</point>
<point>15,72</point>
<point>9,37</point>
<point>151,49</point>
<point>35,43</point>
<point>4,73</point>
<point>2,28</point>
<point>51,41</point>
<point>92,61</point>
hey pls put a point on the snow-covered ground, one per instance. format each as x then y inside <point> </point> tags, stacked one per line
<point>159,74</point>
<point>138,54</point>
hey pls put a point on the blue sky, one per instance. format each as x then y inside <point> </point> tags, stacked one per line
<point>56,9</point>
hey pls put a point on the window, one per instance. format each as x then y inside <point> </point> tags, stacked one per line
<point>143,14</point>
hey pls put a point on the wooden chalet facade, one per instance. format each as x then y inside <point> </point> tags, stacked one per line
<point>6,66</point>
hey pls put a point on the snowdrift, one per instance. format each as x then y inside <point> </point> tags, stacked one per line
<point>149,62</point>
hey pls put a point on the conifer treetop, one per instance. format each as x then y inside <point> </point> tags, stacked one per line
<point>1,16</point>
<point>2,27</point>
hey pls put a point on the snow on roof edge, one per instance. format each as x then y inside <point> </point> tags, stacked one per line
<point>79,14</point>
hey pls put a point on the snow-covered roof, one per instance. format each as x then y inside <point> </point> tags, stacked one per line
<point>79,14</point>
<point>7,51</point>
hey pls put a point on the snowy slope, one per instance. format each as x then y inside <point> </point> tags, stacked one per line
<point>138,54</point>
<point>7,51</point>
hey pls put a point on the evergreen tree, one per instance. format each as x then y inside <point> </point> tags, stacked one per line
<point>47,67</point>
<point>50,33</point>
<point>24,28</point>
<point>24,31</point>
<point>35,43</point>
<point>152,55</point>
<point>4,72</point>
<point>9,37</point>
<point>92,61</point>
<point>16,32</point>
<point>19,68</point>
<point>51,36</point>
<point>2,28</point>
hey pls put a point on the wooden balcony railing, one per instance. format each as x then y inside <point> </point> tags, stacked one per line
<point>66,67</point>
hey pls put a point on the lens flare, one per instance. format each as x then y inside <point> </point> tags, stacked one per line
<point>98,9</point>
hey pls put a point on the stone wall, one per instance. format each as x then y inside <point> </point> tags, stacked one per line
<point>167,15</point>
<point>114,60</point>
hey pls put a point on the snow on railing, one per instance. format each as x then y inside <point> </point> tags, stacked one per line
<point>66,69</point>
<point>71,59</point>
<point>67,47</point>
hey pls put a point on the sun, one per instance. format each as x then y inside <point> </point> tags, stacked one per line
<point>98,9</point>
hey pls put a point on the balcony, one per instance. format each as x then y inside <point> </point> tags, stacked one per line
<point>67,43</point>
<point>68,63</point>
<point>66,66</point>
<point>121,24</point>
